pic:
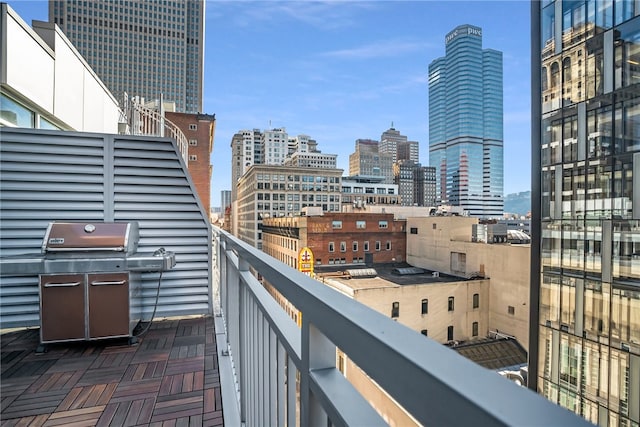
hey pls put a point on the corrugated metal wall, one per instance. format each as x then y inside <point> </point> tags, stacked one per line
<point>67,176</point>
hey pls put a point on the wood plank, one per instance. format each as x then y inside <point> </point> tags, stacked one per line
<point>168,379</point>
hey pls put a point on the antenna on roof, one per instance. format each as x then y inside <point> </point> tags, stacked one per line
<point>392,124</point>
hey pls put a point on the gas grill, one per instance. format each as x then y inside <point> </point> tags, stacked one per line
<point>89,279</point>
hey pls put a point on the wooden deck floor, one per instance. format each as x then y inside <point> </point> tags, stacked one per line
<point>170,378</point>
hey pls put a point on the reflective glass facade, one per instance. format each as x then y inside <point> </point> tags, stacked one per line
<point>587,150</point>
<point>144,48</point>
<point>466,124</point>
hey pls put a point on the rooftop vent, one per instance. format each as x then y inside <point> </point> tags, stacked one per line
<point>362,273</point>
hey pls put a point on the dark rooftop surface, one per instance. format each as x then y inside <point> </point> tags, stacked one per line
<point>493,353</point>
<point>170,377</point>
<point>386,271</point>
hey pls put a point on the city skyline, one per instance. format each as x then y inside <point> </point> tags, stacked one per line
<point>343,71</point>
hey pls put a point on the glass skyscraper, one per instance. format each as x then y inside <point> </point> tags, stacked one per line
<point>585,274</point>
<point>144,48</point>
<point>465,124</point>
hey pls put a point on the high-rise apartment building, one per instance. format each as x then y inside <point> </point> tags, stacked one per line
<point>271,191</point>
<point>275,143</point>
<point>416,183</point>
<point>585,274</point>
<point>151,49</point>
<point>465,123</point>
<point>398,145</point>
<point>225,199</point>
<point>246,150</point>
<point>367,160</point>
<point>274,147</point>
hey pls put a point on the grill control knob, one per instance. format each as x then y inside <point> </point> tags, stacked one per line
<point>89,228</point>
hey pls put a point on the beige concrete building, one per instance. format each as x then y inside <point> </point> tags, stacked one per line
<point>271,191</point>
<point>442,307</point>
<point>444,244</point>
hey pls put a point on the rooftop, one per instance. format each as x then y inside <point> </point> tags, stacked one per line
<point>387,276</point>
<point>171,376</point>
<point>494,353</point>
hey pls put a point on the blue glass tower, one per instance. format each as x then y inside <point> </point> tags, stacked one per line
<point>465,124</point>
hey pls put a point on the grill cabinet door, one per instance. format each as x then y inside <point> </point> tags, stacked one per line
<point>108,305</point>
<point>61,307</point>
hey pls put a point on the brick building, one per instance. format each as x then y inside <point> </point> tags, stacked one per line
<point>336,238</point>
<point>199,130</point>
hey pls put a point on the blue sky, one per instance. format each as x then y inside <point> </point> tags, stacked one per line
<point>342,70</point>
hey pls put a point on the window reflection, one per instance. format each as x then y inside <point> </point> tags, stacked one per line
<point>627,54</point>
<point>623,187</point>
<point>551,135</point>
<point>597,296</point>
<point>625,9</point>
<point>599,132</point>
<point>572,245</point>
<point>625,316</point>
<point>594,71</point>
<point>15,114</point>
<point>593,248</point>
<point>570,354</point>
<point>568,304</point>
<point>550,300</point>
<point>573,22</point>
<point>628,125</point>
<point>626,250</point>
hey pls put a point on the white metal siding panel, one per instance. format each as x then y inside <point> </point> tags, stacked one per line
<point>66,176</point>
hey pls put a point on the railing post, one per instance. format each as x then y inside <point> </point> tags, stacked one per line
<point>317,353</point>
<point>234,312</point>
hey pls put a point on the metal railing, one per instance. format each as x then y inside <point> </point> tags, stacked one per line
<point>286,375</point>
<point>142,120</point>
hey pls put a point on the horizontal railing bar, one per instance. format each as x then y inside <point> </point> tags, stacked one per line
<point>343,404</point>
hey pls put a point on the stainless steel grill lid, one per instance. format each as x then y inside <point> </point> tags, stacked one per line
<point>99,236</point>
<point>76,247</point>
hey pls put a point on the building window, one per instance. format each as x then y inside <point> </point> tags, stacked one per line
<point>193,158</point>
<point>383,224</point>
<point>476,300</point>
<point>366,246</point>
<point>378,246</point>
<point>15,114</point>
<point>511,310</point>
<point>474,329</point>
<point>414,230</point>
<point>355,246</point>
<point>332,247</point>
<point>193,126</point>
<point>395,309</point>
<point>193,142</point>
<point>388,245</point>
<point>425,306</point>
<point>361,224</point>
<point>434,226</point>
<point>449,333</point>
<point>450,304</point>
<point>336,224</point>
<point>424,332</point>
<point>343,246</point>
